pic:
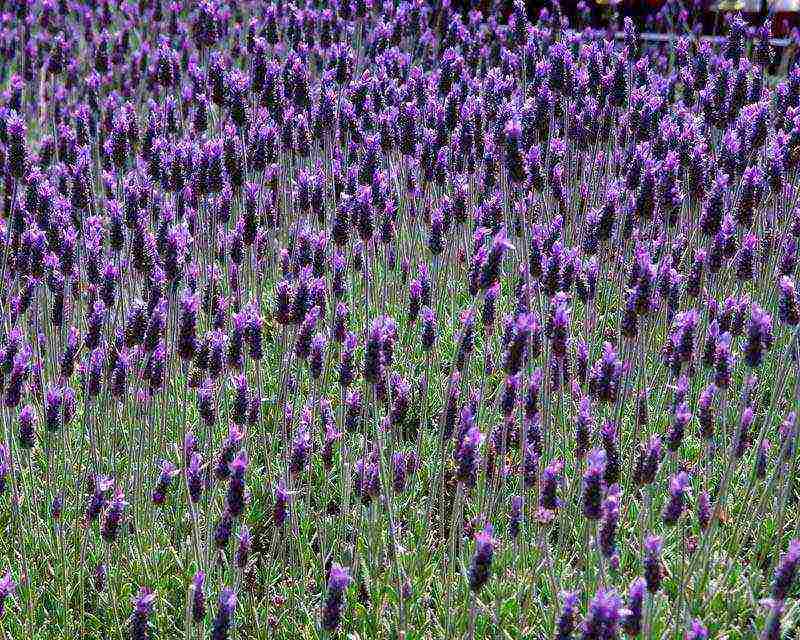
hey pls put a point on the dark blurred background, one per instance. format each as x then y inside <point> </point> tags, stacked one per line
<point>655,15</point>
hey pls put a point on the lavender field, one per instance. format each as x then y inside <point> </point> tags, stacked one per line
<point>386,320</point>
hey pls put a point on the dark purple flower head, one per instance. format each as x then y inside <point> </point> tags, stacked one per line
<point>632,618</point>
<point>223,530</point>
<point>198,597</point>
<point>301,449</point>
<point>7,588</point>
<point>414,300</point>
<point>280,510</point>
<point>222,621</point>
<point>332,436</point>
<point>785,571</point>
<point>517,346</point>
<point>652,459</point>
<point>592,493</point>
<point>340,322</point>
<point>565,625</point>
<point>466,339</point>
<point>428,329</point>
<point>187,326</point>
<point>373,356</point>
<point>609,437</point>
<point>705,411</point>
<point>142,610</point>
<point>305,333</point>
<point>723,361</point>
<point>168,472</point>
<point>489,306</point>
<point>235,497</point>
<point>652,562</point>
<point>467,452</point>
<point>54,400</point>
<point>516,515</point>
<point>194,478</point>
<point>245,544</point>
<point>347,372</point>
<point>490,270</point>
<point>609,521</point>
<point>584,425</point>
<point>696,631</point>
<point>678,488</point>
<point>317,355</point>
<point>508,399</point>
<point>759,336</point>
<point>680,420</point>
<point>255,334</point>
<point>20,371</point>
<point>98,498</point>
<point>114,516</point>
<point>704,510</point>
<point>788,302</point>
<point>558,325</point>
<point>550,481</point>
<point>772,627</point>
<point>604,378</point>
<point>481,563</point>
<point>603,618</point>
<point>27,427</point>
<point>16,133</point>
<point>338,581</point>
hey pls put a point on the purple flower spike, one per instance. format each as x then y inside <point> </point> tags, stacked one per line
<point>592,495</point>
<point>338,581</point>
<point>632,619</point>
<point>198,597</point>
<point>222,621</point>
<point>772,627</point>
<point>168,472</point>
<point>609,521</point>
<point>115,514</point>
<point>785,571</point>
<point>27,428</point>
<point>142,610</point>
<point>604,377</point>
<point>696,631</point>
<point>652,562</point>
<point>490,270</point>
<point>280,509</point>
<point>194,478</point>
<point>566,619</point>
<point>603,617</point>
<point>482,559</point>
<point>7,587</point>
<point>678,488</point>
<point>467,454</point>
<point>759,336</point>
<point>235,498</point>
<point>551,479</point>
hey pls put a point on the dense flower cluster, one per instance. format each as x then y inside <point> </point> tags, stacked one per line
<point>385,316</point>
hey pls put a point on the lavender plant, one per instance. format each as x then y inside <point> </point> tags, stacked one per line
<point>395,319</point>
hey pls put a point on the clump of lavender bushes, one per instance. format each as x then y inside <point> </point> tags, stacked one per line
<point>388,320</point>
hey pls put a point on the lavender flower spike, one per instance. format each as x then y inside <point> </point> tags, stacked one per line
<point>142,610</point>
<point>334,601</point>
<point>7,587</point>
<point>482,559</point>
<point>224,617</point>
<point>697,631</point>
<point>786,570</point>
